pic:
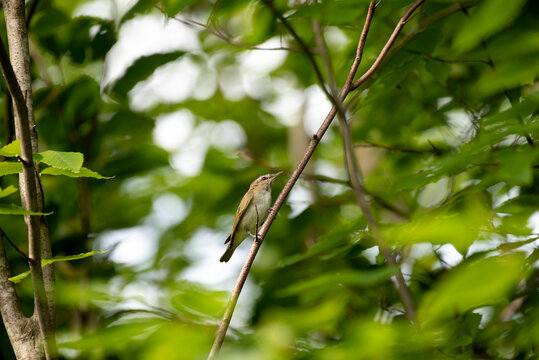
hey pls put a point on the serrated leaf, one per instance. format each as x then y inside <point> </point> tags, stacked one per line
<point>12,209</point>
<point>12,149</point>
<point>83,172</point>
<point>7,191</point>
<point>18,278</point>
<point>8,168</point>
<point>141,69</point>
<point>61,159</point>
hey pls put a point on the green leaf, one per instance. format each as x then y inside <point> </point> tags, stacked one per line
<point>515,168</point>
<point>173,7</point>
<point>339,279</point>
<point>195,299</point>
<point>12,209</point>
<point>490,17</point>
<point>478,283</point>
<point>12,149</point>
<point>18,278</point>
<point>83,172</point>
<point>439,70</point>
<point>60,159</point>
<point>7,191</point>
<point>459,228</point>
<point>140,70</point>
<point>8,168</point>
<point>329,241</point>
<point>141,7</point>
<point>509,74</point>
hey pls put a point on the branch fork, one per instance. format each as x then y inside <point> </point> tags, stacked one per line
<point>349,86</point>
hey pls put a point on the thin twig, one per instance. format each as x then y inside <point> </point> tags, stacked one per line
<point>30,12</point>
<point>327,179</point>
<point>399,149</point>
<point>4,235</point>
<point>312,146</point>
<point>302,45</point>
<point>8,118</point>
<point>353,172</point>
<point>218,33</point>
<point>275,209</point>
<point>416,30</point>
<point>387,46</point>
<point>449,61</point>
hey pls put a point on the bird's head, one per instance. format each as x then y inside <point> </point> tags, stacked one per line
<point>265,180</point>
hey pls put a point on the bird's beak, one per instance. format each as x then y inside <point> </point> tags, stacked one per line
<point>275,175</point>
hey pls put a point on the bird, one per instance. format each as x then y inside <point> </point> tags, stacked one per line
<point>254,204</point>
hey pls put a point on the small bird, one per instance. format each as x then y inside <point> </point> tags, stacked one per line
<point>256,200</point>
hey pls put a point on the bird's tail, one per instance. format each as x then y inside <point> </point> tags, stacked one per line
<point>228,254</point>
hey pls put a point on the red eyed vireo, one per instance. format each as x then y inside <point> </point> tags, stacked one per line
<point>257,199</point>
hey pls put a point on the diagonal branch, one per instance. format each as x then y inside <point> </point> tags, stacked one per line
<point>301,43</point>
<point>353,173</point>
<point>221,332</point>
<point>348,87</point>
<point>10,307</point>
<point>388,45</point>
<point>217,32</point>
<point>4,235</point>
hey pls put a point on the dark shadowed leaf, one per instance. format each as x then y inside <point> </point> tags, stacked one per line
<point>140,70</point>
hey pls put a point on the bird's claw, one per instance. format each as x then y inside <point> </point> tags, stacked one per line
<point>257,237</point>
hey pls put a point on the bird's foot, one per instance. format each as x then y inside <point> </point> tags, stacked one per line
<point>257,237</point>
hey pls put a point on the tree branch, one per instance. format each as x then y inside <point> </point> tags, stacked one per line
<point>302,45</point>
<point>434,151</point>
<point>221,332</point>
<point>322,178</point>
<point>353,173</point>
<point>17,325</point>
<point>418,29</point>
<point>17,74</point>
<point>388,45</point>
<point>348,87</point>
<point>216,32</point>
<point>31,11</point>
<point>4,235</point>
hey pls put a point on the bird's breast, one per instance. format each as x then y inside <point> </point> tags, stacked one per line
<point>262,199</point>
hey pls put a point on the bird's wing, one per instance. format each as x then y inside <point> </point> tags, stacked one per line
<point>244,204</point>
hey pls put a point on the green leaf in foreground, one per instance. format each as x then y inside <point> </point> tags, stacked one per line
<point>83,172</point>
<point>12,209</point>
<point>329,241</point>
<point>478,283</point>
<point>61,159</point>
<point>20,277</point>
<point>7,191</point>
<point>12,149</point>
<point>8,168</point>
<point>342,278</point>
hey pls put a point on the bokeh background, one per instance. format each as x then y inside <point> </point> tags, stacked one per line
<point>183,103</point>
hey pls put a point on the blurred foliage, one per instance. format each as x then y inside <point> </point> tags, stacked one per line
<point>447,136</point>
